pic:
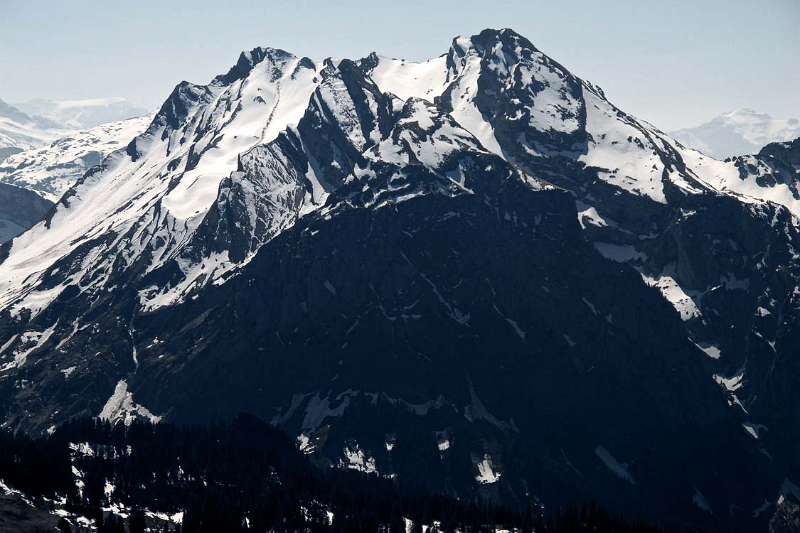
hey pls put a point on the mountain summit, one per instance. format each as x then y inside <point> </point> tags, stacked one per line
<point>474,272</point>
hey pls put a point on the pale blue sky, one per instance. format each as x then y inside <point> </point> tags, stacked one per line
<point>675,63</point>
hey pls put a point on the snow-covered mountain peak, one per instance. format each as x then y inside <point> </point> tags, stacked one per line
<point>490,39</point>
<point>148,200</point>
<point>494,76</point>
<point>276,59</point>
<point>211,125</point>
<point>760,128</point>
<point>738,132</point>
<point>508,79</point>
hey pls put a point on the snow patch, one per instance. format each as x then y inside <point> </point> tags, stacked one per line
<point>730,384</point>
<point>618,469</point>
<point>701,502</point>
<point>356,459</point>
<point>487,473</point>
<point>120,407</point>
<point>709,349</point>
<point>683,303</point>
<point>318,409</point>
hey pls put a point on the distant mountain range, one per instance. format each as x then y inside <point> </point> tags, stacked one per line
<point>20,131</point>
<point>739,132</point>
<point>473,273</point>
<point>52,169</point>
<point>82,114</point>
<point>39,122</point>
<point>42,157</point>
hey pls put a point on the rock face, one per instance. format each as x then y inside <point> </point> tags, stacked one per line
<point>19,210</point>
<point>473,272</point>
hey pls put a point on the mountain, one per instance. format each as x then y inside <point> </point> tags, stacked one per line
<point>83,114</point>
<point>19,131</point>
<point>744,131</point>
<point>473,273</point>
<point>52,169</point>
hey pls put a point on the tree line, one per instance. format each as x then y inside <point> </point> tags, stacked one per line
<point>240,476</point>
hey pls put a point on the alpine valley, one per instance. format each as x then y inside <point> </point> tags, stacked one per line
<point>473,274</point>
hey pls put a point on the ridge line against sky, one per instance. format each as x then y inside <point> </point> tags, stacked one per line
<point>675,64</point>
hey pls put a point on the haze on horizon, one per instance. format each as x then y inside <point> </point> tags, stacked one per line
<point>674,64</point>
